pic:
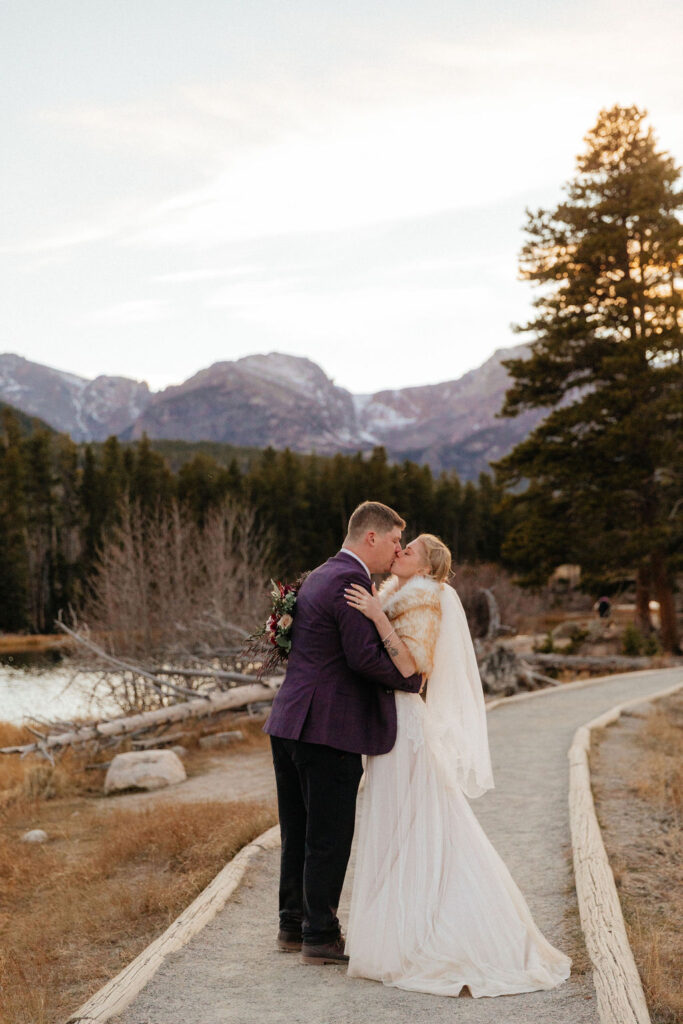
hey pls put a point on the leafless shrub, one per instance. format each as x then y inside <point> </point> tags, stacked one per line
<point>517,607</point>
<point>165,586</point>
<point>168,592</point>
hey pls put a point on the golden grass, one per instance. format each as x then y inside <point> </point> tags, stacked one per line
<point>654,925</point>
<point>76,910</point>
<point>645,847</point>
<point>660,775</point>
<point>20,643</point>
<point>25,780</point>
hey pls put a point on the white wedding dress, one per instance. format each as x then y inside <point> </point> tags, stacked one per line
<point>433,907</point>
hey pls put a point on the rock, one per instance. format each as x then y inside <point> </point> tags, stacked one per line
<point>179,751</point>
<point>144,769</point>
<point>36,835</point>
<point>221,739</point>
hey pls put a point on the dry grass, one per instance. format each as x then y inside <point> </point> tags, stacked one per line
<point>20,643</point>
<point>23,781</point>
<point>660,775</point>
<point>638,781</point>
<point>77,909</point>
<point>74,911</point>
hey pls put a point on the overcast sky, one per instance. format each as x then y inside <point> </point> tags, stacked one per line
<point>186,181</point>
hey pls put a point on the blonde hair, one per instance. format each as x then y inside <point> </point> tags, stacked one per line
<point>438,556</point>
<point>373,515</point>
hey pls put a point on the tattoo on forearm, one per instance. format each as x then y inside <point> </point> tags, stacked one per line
<point>393,651</point>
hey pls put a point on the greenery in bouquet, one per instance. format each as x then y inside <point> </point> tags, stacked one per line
<point>271,644</point>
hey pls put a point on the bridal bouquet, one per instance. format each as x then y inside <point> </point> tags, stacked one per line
<point>272,643</point>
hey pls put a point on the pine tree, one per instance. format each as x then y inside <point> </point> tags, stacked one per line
<point>14,584</point>
<point>447,502</point>
<point>604,470</point>
<point>39,484</point>
<point>66,587</point>
<point>152,485</point>
<point>470,528</point>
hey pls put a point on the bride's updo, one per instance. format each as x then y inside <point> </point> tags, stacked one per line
<point>438,556</point>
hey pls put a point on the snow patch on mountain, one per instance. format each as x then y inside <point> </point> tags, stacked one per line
<point>283,401</point>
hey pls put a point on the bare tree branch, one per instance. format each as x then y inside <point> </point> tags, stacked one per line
<point>124,665</point>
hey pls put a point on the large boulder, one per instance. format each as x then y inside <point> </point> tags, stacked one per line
<point>144,769</point>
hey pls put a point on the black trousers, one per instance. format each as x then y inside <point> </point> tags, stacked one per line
<point>316,793</point>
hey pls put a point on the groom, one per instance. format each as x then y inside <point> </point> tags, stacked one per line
<point>336,703</point>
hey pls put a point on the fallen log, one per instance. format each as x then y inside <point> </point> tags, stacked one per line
<point>164,740</point>
<point>202,673</point>
<point>610,663</point>
<point>238,697</point>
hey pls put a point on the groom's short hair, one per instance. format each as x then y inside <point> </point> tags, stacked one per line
<point>373,515</point>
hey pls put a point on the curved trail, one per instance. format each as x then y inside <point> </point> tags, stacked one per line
<point>231,971</point>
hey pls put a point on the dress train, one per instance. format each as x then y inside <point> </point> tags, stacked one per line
<point>433,906</point>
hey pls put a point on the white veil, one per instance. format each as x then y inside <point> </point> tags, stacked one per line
<point>455,719</point>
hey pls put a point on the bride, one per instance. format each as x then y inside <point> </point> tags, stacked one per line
<point>433,907</point>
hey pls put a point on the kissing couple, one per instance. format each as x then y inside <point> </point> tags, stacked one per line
<point>393,675</point>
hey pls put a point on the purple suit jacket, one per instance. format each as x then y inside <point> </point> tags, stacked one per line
<point>340,682</point>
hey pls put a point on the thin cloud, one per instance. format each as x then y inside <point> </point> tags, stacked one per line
<point>201,274</point>
<point>140,311</point>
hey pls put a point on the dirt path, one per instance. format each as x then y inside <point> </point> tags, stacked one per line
<point>232,973</point>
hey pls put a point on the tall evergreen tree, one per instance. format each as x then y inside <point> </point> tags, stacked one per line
<point>604,470</point>
<point>39,481</point>
<point>152,485</point>
<point>14,574</point>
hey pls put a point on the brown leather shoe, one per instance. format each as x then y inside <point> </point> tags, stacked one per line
<point>324,953</point>
<point>289,942</point>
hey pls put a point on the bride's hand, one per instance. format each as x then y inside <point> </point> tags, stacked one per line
<point>358,597</point>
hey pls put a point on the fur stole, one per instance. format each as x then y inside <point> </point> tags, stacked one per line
<point>414,611</point>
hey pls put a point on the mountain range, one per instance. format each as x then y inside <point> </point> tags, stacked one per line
<point>282,401</point>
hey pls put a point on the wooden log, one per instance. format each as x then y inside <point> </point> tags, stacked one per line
<point>610,663</point>
<point>201,673</point>
<point>160,741</point>
<point>237,697</point>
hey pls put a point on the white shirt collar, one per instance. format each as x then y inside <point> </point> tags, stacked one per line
<point>354,555</point>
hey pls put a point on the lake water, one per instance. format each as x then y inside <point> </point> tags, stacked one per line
<point>26,692</point>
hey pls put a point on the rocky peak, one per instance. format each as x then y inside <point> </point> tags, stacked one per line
<point>284,401</point>
<point>86,409</point>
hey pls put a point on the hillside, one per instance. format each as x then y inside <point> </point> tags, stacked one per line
<point>285,402</point>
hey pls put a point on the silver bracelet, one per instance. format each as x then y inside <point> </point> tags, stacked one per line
<point>387,636</point>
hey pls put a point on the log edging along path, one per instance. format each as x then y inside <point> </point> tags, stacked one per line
<point>621,999</point>
<point>118,993</point>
